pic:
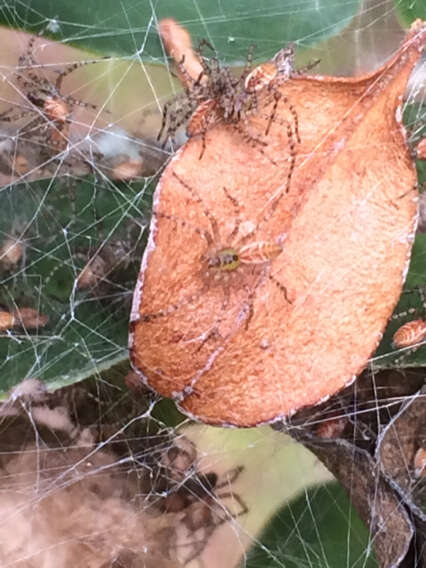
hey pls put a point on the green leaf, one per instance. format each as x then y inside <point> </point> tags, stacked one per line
<point>320,528</point>
<point>63,224</point>
<point>410,307</point>
<point>410,10</point>
<point>411,304</point>
<point>129,27</point>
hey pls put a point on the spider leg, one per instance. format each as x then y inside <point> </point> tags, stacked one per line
<point>229,514</point>
<point>292,165</point>
<point>250,301</point>
<point>252,139</point>
<point>203,234</point>
<point>27,59</point>
<point>205,116</point>
<point>206,212</point>
<point>166,107</point>
<point>281,287</point>
<point>212,67</point>
<point>174,121</point>
<point>148,317</point>
<point>251,310</point>
<point>295,117</point>
<point>249,62</point>
<point>404,314</point>
<point>275,202</point>
<point>71,68</point>
<point>4,116</point>
<point>230,476</point>
<point>28,55</point>
<point>307,67</point>
<point>213,333</point>
<point>203,43</point>
<point>200,76</point>
<point>188,79</point>
<point>78,102</point>
<point>237,212</point>
<point>203,144</point>
<point>27,62</point>
<point>33,126</point>
<point>198,545</point>
<point>277,97</point>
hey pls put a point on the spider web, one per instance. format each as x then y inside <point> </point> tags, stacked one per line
<point>110,466</point>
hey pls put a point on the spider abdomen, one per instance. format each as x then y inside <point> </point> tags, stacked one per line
<point>259,252</point>
<point>410,333</point>
<point>260,77</point>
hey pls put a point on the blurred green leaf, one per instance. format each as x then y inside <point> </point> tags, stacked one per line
<point>410,307</point>
<point>410,10</point>
<point>412,300</point>
<point>320,528</point>
<point>62,225</point>
<point>129,27</point>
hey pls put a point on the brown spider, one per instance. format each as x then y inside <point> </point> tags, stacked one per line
<point>50,109</point>
<point>217,96</point>
<point>196,497</point>
<point>238,264</point>
<point>235,262</point>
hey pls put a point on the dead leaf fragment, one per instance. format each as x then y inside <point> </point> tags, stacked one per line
<point>29,318</point>
<point>421,149</point>
<point>401,454</point>
<point>11,252</point>
<point>7,321</point>
<point>22,317</point>
<point>301,327</point>
<point>178,45</point>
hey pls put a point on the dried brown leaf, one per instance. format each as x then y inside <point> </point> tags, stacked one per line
<point>254,351</point>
